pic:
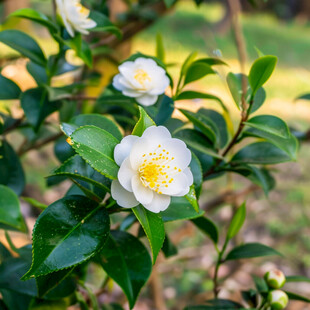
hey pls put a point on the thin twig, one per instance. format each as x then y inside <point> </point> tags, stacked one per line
<point>40,144</point>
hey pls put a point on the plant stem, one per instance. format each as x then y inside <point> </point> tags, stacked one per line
<point>217,267</point>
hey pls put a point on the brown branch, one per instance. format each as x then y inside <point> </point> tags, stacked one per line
<point>15,125</point>
<point>40,144</point>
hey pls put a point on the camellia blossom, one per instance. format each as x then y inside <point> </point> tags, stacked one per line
<point>75,16</point>
<point>153,168</point>
<point>141,79</point>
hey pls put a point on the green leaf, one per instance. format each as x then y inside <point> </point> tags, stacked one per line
<point>77,169</point>
<point>96,146</point>
<point>188,95</point>
<point>4,253</point>
<point>297,279</point>
<point>293,296</point>
<point>100,121</point>
<point>153,227</point>
<point>211,61</point>
<point>15,300</point>
<point>35,16</point>
<point>10,273</point>
<point>23,44</point>
<point>144,122</point>
<point>169,249</point>
<point>67,233</point>
<point>250,250</point>
<point>160,49</point>
<point>197,142</point>
<point>196,170</point>
<point>186,64</point>
<point>8,89</point>
<point>38,73</point>
<point>258,100</point>
<point>125,259</point>
<point>37,107</point>
<point>260,153</point>
<point>234,82</point>
<point>104,24</point>
<point>197,71</point>
<point>165,108</point>
<point>63,150</point>
<point>192,199</point>
<point>56,285</point>
<point>217,120</point>
<point>180,209</point>
<point>261,71</point>
<point>10,213</point>
<point>81,49</point>
<point>207,128</point>
<point>260,284</point>
<point>270,124</point>
<point>289,145</point>
<point>11,170</point>
<point>237,222</point>
<point>217,304</point>
<point>207,227</point>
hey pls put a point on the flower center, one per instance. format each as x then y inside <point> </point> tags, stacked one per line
<point>155,171</point>
<point>141,76</point>
<point>82,9</point>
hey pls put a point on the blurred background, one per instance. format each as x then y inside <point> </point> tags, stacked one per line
<point>282,220</point>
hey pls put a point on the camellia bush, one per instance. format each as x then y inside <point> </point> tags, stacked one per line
<point>130,163</point>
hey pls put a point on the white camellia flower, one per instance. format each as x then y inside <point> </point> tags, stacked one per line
<point>75,16</point>
<point>153,168</point>
<point>141,79</point>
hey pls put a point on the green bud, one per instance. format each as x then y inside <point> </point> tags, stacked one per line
<point>275,278</point>
<point>278,299</point>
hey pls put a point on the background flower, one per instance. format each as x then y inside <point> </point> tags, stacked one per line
<point>74,16</point>
<point>141,79</point>
<point>153,168</point>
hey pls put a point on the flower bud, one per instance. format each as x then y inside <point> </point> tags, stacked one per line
<point>278,299</point>
<point>275,278</point>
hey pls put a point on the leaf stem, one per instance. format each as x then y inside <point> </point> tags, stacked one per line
<point>10,242</point>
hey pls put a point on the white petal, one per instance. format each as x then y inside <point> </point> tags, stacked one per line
<point>160,85</point>
<point>159,203</point>
<point>177,186</point>
<point>127,69</point>
<point>143,194</point>
<point>157,135</point>
<point>190,179</point>
<point>123,149</point>
<point>141,146</point>
<point>123,198</point>
<point>178,150</point>
<point>131,93</point>
<point>125,174</point>
<point>147,99</point>
<point>90,24</point>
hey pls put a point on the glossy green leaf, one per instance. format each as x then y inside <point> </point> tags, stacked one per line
<point>76,168</point>
<point>260,153</point>
<point>63,149</point>
<point>165,108</point>
<point>297,279</point>
<point>180,209</point>
<point>289,145</point>
<point>127,262</point>
<point>237,221</point>
<point>169,249</point>
<point>260,284</point>
<point>217,304</point>
<point>207,227</point>
<point>197,71</point>
<point>258,100</point>
<point>234,82</point>
<point>11,170</point>
<point>61,304</point>
<point>197,142</point>
<point>189,95</point>
<point>270,124</point>
<point>4,253</point>
<point>15,300</point>
<point>104,24</point>
<point>212,61</point>
<point>294,296</point>
<point>153,227</point>
<point>35,16</point>
<point>38,72</point>
<point>37,107</point>
<point>10,273</point>
<point>251,250</point>
<point>8,89</point>
<point>160,49</point>
<point>81,48</point>
<point>23,44</point>
<point>196,170</point>
<point>186,64</point>
<point>10,213</point>
<point>218,121</point>
<point>201,123</point>
<point>192,199</point>
<point>56,285</point>
<point>96,146</point>
<point>144,122</point>
<point>67,233</point>
<point>261,71</point>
